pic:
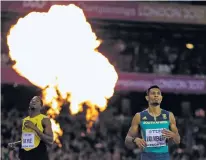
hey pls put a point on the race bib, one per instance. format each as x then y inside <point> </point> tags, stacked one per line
<point>154,138</point>
<point>27,140</point>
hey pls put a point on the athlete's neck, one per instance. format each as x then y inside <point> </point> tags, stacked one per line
<point>34,114</point>
<point>154,110</point>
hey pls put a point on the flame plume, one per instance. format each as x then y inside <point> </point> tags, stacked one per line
<point>57,51</point>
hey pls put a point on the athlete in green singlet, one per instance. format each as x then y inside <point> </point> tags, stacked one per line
<point>157,126</point>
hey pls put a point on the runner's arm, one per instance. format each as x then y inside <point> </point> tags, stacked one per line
<point>133,132</point>
<point>174,129</point>
<point>47,136</point>
<point>14,144</point>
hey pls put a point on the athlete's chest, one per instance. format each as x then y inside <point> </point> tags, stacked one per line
<point>152,131</point>
<point>150,122</point>
<point>154,125</point>
<point>36,121</point>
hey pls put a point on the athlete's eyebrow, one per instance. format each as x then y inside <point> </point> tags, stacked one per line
<point>154,91</point>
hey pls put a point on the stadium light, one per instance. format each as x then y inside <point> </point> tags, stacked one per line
<point>189,45</point>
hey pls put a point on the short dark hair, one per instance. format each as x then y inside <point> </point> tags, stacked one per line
<point>151,87</point>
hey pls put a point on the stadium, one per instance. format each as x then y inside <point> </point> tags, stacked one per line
<point>92,99</point>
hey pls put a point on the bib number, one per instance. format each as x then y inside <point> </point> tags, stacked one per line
<point>27,140</point>
<point>154,138</point>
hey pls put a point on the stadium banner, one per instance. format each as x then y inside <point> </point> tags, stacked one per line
<point>133,82</point>
<point>168,83</point>
<point>129,11</point>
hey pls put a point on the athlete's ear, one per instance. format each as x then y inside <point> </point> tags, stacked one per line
<point>147,98</point>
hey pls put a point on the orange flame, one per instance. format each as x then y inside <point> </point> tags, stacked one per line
<point>57,51</point>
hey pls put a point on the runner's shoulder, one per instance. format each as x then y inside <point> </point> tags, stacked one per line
<point>136,117</point>
<point>169,113</point>
<point>46,121</point>
<point>139,114</point>
<point>166,111</point>
<point>24,119</point>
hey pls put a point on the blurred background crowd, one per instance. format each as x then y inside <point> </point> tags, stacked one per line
<point>158,48</point>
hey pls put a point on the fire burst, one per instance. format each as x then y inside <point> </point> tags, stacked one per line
<point>56,51</point>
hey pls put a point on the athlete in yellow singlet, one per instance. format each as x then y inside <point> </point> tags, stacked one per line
<point>36,133</point>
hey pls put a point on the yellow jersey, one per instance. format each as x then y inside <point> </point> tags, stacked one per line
<point>30,139</point>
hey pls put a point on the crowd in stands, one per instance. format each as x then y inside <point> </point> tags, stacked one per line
<point>152,53</point>
<point>130,49</point>
<point>105,141</point>
<point>150,57</point>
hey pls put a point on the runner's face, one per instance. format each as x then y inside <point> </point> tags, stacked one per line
<point>35,103</point>
<point>154,96</point>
